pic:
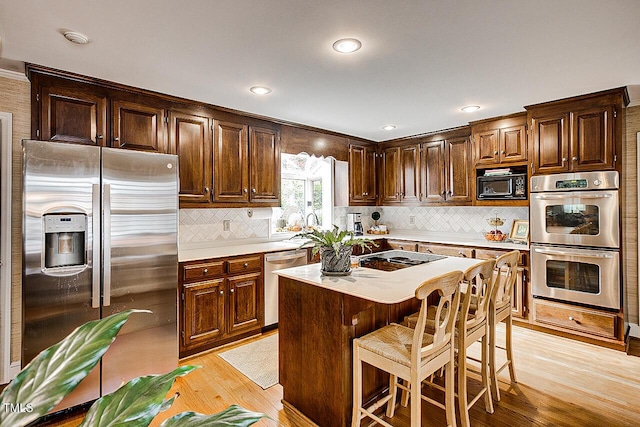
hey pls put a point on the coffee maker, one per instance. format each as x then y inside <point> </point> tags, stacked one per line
<point>354,223</point>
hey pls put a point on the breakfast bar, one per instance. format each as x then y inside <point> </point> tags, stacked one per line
<point>319,316</point>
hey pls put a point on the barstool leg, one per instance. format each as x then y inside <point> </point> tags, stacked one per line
<point>486,382</point>
<point>495,390</point>
<point>512,370</point>
<point>357,386</point>
<point>416,400</point>
<point>462,383</point>
<point>449,392</point>
<point>393,393</point>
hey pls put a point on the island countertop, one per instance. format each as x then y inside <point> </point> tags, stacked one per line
<point>386,287</point>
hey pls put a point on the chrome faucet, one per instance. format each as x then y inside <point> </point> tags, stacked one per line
<point>313,217</point>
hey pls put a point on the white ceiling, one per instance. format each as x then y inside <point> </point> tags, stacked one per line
<point>421,61</point>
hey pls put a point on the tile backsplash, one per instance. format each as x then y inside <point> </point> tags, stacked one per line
<point>207,225</point>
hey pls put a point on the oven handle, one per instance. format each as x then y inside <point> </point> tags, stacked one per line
<point>585,254</point>
<point>563,196</point>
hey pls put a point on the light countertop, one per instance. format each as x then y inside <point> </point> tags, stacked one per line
<point>227,249</point>
<point>386,287</point>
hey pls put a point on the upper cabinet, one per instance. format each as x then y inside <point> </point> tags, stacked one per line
<point>362,174</point>
<point>446,162</point>
<point>190,139</point>
<point>246,164</point>
<point>400,174</point>
<point>139,126</point>
<point>577,134</point>
<point>71,114</point>
<point>500,142</point>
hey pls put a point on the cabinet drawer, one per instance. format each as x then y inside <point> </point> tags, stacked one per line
<point>590,321</point>
<point>200,271</point>
<point>244,265</point>
<point>459,251</point>
<point>495,253</point>
<point>402,245</point>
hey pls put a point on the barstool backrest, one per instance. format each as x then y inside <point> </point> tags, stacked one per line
<point>479,280</point>
<point>448,288</point>
<point>506,273</point>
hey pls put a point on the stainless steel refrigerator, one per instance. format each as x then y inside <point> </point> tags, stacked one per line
<point>100,236</point>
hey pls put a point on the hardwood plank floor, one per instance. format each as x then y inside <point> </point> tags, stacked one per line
<point>560,383</point>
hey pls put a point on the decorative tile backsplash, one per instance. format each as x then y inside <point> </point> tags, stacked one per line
<point>456,219</point>
<point>206,225</point>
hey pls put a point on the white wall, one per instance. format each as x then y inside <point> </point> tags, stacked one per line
<point>5,246</point>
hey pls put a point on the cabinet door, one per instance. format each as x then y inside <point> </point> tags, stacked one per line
<point>190,139</point>
<point>410,173</point>
<point>231,163</point>
<point>73,115</point>
<point>434,185</point>
<point>390,175</point>
<point>457,251</point>
<point>512,143</point>
<point>245,303</point>
<point>203,310</point>
<point>592,146</point>
<point>265,166</point>
<point>139,127</point>
<point>550,144</point>
<point>458,170</point>
<point>362,174</point>
<point>486,147</point>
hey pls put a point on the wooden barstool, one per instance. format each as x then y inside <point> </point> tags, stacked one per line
<point>500,309</point>
<point>411,354</point>
<point>473,326</point>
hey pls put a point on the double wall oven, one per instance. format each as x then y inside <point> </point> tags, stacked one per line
<point>575,238</point>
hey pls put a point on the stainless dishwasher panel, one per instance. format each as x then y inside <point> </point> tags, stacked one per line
<point>277,261</point>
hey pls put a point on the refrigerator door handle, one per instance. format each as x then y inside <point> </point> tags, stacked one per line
<point>95,220</point>
<point>106,296</point>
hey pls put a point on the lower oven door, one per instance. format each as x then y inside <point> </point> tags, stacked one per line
<point>580,218</point>
<point>585,276</point>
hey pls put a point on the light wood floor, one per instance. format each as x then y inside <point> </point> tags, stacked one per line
<point>560,383</point>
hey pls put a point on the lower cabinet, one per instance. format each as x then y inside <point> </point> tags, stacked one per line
<point>402,245</point>
<point>459,251</point>
<point>221,300</point>
<point>574,319</point>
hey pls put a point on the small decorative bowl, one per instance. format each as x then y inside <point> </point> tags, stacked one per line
<point>495,237</point>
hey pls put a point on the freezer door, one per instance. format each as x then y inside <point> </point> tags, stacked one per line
<point>60,181</point>
<point>140,262</point>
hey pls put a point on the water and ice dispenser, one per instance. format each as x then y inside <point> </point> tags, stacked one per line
<point>65,240</point>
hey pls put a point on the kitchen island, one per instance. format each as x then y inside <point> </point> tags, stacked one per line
<point>319,317</point>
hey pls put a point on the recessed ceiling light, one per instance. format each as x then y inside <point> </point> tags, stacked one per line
<point>470,108</point>
<point>76,37</point>
<point>260,90</point>
<point>389,127</point>
<point>347,45</point>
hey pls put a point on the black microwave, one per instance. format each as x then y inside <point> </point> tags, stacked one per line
<point>497,187</point>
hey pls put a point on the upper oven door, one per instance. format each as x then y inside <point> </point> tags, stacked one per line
<point>582,218</point>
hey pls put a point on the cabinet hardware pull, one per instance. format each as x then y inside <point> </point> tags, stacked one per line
<point>246,264</point>
<point>206,189</point>
<point>221,292</point>
<point>574,158</point>
<point>245,190</point>
<point>205,271</point>
<point>232,290</point>
<point>99,136</point>
<point>495,153</point>
<point>429,251</point>
<point>564,160</point>
<point>253,190</point>
<point>116,139</point>
<point>462,254</point>
<point>571,318</point>
<point>503,152</point>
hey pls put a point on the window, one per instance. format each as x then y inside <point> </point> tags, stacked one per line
<point>306,193</point>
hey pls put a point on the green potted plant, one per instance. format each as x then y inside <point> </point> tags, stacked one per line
<point>57,370</point>
<point>335,248</point>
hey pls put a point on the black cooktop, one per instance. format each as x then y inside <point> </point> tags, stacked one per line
<point>396,260</point>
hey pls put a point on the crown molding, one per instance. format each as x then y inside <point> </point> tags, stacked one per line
<point>14,75</point>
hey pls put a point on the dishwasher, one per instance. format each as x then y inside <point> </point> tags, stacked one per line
<point>277,261</point>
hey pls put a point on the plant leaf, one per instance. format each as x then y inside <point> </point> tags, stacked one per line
<point>136,403</point>
<point>57,370</point>
<point>234,415</point>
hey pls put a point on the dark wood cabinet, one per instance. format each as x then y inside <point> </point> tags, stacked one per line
<point>72,115</point>
<point>264,166</point>
<point>577,134</point>
<point>222,301</point>
<point>190,139</point>
<point>500,141</point>
<point>446,172</point>
<point>400,174</point>
<point>362,175</point>
<point>138,126</point>
<point>246,164</point>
